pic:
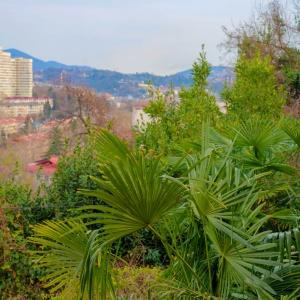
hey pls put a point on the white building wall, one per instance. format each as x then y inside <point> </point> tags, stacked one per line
<point>16,77</point>
<point>7,75</point>
<point>24,77</point>
<point>139,118</point>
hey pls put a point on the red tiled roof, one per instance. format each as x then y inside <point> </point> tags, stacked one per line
<point>47,166</point>
<point>49,170</point>
<point>54,160</point>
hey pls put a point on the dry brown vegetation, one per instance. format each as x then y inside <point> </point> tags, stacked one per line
<point>76,111</point>
<point>23,149</point>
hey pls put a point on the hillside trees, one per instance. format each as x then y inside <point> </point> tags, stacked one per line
<point>56,142</point>
<point>255,91</point>
<point>86,106</point>
<point>47,110</point>
<point>273,32</point>
<point>174,121</point>
<point>79,102</point>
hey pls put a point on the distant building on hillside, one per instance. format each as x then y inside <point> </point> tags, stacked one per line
<point>16,101</point>
<point>139,118</point>
<point>16,77</point>
<point>24,106</point>
<point>43,169</point>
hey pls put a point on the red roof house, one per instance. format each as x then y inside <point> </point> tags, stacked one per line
<point>46,166</point>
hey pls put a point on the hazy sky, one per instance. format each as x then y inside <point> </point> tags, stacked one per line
<point>158,36</point>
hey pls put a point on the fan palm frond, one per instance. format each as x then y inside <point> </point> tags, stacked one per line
<point>133,188</point>
<point>68,242</point>
<point>287,243</point>
<point>287,285</point>
<point>260,135</point>
<point>64,248</point>
<point>292,129</point>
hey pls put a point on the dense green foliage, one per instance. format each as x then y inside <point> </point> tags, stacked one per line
<point>56,143</point>
<point>211,219</point>
<point>255,90</point>
<point>203,205</point>
<point>174,123</point>
<point>218,194</point>
<point>73,173</point>
<point>19,210</point>
<point>273,31</point>
<point>291,69</point>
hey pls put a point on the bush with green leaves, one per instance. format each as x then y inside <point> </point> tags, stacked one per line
<point>19,209</point>
<point>173,123</point>
<point>73,172</point>
<point>255,91</point>
<point>212,219</point>
<point>56,142</point>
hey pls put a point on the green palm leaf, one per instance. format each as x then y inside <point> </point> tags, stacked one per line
<point>260,135</point>
<point>288,284</point>
<point>292,129</point>
<point>136,193</point>
<point>67,242</point>
<point>64,248</point>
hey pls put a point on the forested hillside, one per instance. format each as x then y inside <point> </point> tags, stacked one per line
<point>116,83</point>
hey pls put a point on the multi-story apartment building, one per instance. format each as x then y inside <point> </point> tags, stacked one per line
<point>24,106</point>
<point>16,101</point>
<point>15,76</point>
<point>24,79</point>
<point>7,75</point>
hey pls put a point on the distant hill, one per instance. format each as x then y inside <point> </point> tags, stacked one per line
<point>116,83</point>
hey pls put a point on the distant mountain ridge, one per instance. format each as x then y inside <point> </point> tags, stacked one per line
<point>38,64</point>
<point>116,83</point>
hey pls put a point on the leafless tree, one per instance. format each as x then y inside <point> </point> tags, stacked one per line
<point>87,106</point>
<point>271,30</point>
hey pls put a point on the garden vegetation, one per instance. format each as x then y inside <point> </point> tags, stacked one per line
<point>201,205</point>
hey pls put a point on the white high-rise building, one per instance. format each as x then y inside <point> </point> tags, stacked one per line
<point>15,76</point>
<point>7,75</point>
<point>23,77</point>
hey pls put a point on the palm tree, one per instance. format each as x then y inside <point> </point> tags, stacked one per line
<point>210,220</point>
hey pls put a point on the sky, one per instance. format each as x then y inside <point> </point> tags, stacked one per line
<point>156,36</point>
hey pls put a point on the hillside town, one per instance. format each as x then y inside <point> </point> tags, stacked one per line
<point>16,100</point>
<point>29,115</point>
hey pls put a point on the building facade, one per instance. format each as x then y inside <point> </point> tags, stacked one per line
<point>16,78</point>
<point>24,106</point>
<point>139,118</point>
<point>7,75</point>
<point>24,79</point>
